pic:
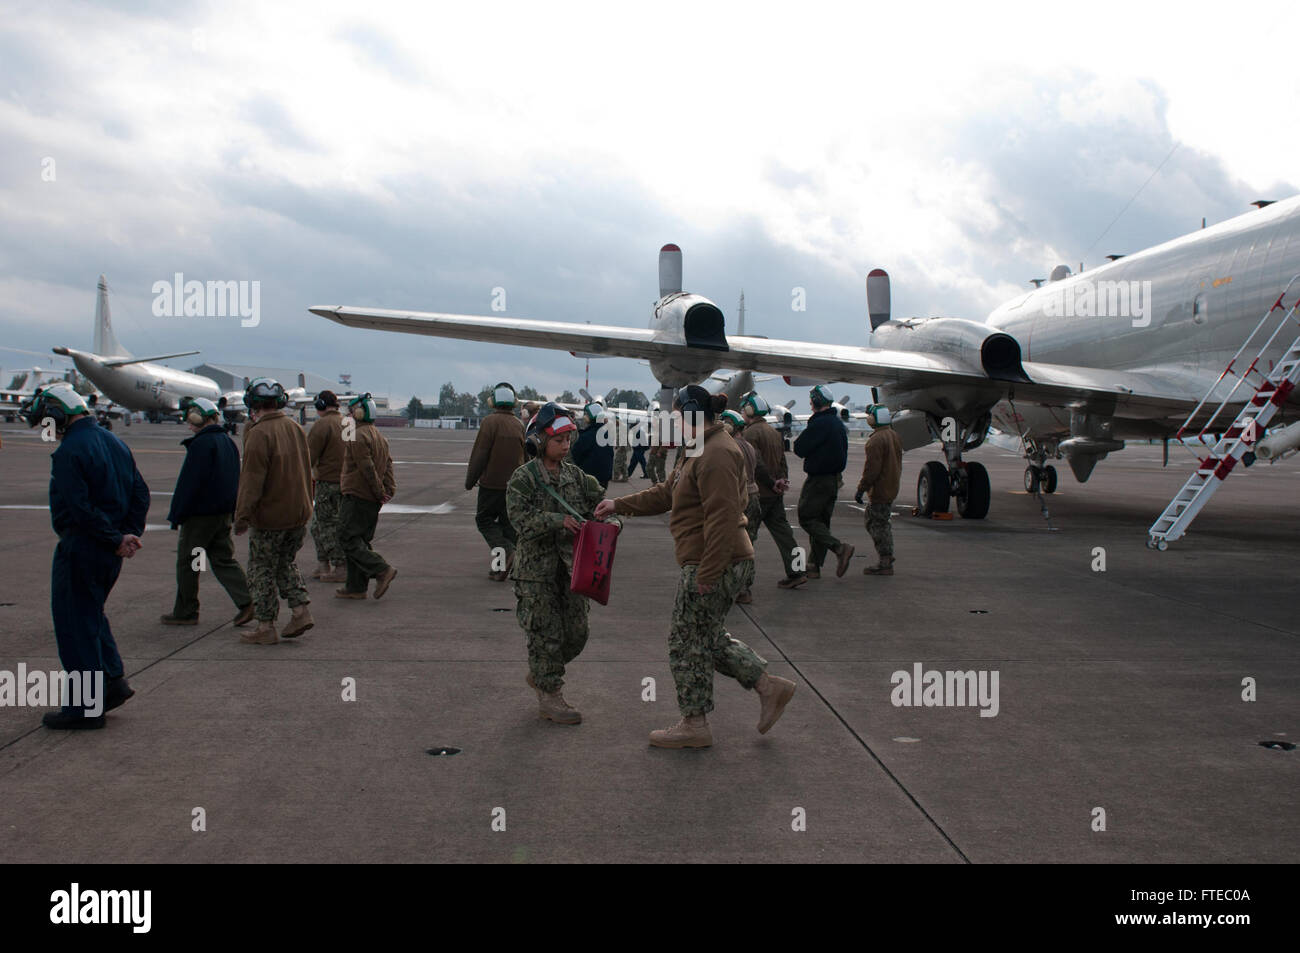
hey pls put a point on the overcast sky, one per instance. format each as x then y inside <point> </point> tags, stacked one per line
<point>419,156</point>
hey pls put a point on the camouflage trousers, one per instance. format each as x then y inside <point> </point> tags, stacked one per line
<point>554,621</point>
<point>699,643</point>
<point>325,523</point>
<point>657,465</point>
<point>753,516</point>
<point>620,465</point>
<point>271,553</point>
<point>881,533</point>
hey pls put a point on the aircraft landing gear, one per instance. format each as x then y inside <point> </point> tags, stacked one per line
<point>968,483</point>
<point>1039,477</point>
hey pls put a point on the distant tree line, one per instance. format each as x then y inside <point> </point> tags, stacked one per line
<point>453,403</point>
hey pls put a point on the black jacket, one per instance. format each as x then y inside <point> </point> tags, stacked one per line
<point>209,480</point>
<point>824,444</point>
<point>96,492</point>
<point>594,459</point>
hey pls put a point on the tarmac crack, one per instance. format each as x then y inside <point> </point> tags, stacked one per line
<point>858,738</point>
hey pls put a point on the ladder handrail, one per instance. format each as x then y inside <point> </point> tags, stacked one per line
<point>1241,379</point>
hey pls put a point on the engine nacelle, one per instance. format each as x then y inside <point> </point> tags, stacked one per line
<point>696,322</point>
<point>994,353</point>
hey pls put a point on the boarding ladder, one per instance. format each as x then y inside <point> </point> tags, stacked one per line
<point>1271,390</point>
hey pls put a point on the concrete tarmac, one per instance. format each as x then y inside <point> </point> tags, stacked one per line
<point>1120,692</point>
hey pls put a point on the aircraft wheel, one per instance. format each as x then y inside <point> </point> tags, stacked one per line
<point>1031,479</point>
<point>1049,479</point>
<point>932,489</point>
<point>974,503</point>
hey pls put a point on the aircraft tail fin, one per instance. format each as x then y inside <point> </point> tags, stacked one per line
<point>105,340</point>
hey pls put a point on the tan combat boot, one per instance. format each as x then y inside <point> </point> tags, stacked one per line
<point>553,707</point>
<point>774,693</point>
<point>745,597</point>
<point>245,615</point>
<point>691,732</point>
<point>299,623</point>
<point>336,573</point>
<point>383,581</point>
<point>842,557</point>
<point>264,634</point>
<point>320,570</point>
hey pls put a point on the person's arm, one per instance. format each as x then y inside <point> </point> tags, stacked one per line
<point>720,502</point>
<point>252,478</point>
<point>812,437</point>
<point>138,512</point>
<point>529,520</point>
<point>762,476</point>
<point>364,459</point>
<point>389,479</point>
<point>479,456</point>
<point>317,439</point>
<point>649,502</point>
<point>78,513</point>
<point>593,493</point>
<point>183,497</point>
<point>871,467</point>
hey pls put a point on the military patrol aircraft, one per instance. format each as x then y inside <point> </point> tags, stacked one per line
<point>1136,349</point>
<point>135,383</point>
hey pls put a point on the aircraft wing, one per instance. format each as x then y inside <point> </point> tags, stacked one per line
<point>1137,394</point>
<point>594,339</point>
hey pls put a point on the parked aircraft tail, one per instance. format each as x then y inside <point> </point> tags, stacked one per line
<point>105,340</point>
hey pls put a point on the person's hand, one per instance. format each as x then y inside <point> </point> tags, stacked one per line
<point>858,498</point>
<point>385,499</point>
<point>571,525</point>
<point>703,588</point>
<point>604,508</point>
<point>129,546</point>
<point>781,485</point>
<point>241,529</point>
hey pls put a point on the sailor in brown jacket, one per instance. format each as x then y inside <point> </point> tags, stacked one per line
<point>707,497</point>
<point>498,452</point>
<point>325,443</point>
<point>367,483</point>
<point>881,472</point>
<point>275,501</point>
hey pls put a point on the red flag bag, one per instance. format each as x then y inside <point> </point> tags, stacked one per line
<point>593,554</point>
<point>593,560</point>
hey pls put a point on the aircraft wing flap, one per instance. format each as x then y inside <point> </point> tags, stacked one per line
<point>1128,393</point>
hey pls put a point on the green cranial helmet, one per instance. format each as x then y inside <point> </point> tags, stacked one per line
<point>880,415</point>
<point>752,399</point>
<point>503,395</point>
<point>201,406</point>
<point>264,389</point>
<point>821,396</point>
<point>733,418</point>
<point>57,402</point>
<point>595,413</point>
<point>367,404</point>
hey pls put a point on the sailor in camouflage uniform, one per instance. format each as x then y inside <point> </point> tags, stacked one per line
<point>554,618</point>
<point>707,497</point>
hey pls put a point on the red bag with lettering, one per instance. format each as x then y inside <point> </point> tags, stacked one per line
<point>593,560</point>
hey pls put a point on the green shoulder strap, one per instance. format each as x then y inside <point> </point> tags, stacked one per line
<point>551,490</point>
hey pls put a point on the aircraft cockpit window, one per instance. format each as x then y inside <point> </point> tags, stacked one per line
<point>1198,309</point>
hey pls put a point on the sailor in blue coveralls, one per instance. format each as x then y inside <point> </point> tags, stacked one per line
<point>98,502</point>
